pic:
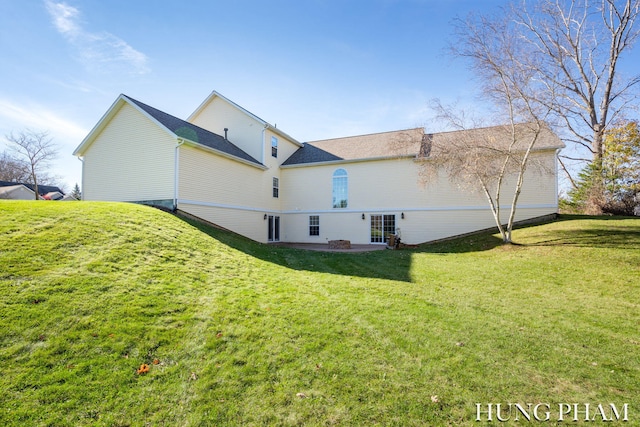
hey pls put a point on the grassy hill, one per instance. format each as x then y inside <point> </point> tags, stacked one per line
<point>238,333</point>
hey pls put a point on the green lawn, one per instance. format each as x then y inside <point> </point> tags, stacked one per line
<point>250,335</point>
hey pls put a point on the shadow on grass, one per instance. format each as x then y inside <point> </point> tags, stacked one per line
<point>473,243</point>
<point>396,265</point>
<point>390,265</point>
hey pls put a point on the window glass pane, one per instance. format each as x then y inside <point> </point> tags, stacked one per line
<point>381,227</point>
<point>376,229</point>
<point>275,187</point>
<point>389,225</point>
<point>274,146</point>
<point>340,189</point>
<point>314,225</point>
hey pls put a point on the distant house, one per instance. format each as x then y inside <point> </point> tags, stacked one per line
<point>42,189</point>
<point>16,192</point>
<point>229,167</point>
<point>68,198</point>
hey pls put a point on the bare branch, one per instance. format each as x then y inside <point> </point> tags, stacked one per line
<point>37,149</point>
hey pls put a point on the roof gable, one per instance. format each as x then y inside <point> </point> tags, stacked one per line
<point>8,190</point>
<point>244,111</point>
<point>177,128</point>
<point>185,130</point>
<point>42,189</point>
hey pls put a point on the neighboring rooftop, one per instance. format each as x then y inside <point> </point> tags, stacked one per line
<point>42,189</point>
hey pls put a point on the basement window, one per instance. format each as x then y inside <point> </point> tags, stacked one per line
<point>314,225</point>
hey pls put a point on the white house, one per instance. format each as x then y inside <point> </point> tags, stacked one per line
<point>229,167</point>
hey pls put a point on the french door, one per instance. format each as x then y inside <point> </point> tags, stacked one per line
<point>381,227</point>
<point>273,232</point>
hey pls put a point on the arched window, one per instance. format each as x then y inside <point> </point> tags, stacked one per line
<point>340,187</point>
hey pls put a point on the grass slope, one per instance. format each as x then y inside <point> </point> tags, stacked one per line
<point>249,334</point>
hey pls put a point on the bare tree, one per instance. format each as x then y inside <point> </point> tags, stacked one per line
<point>37,149</point>
<point>575,48</point>
<point>12,169</point>
<point>489,159</point>
<point>492,160</point>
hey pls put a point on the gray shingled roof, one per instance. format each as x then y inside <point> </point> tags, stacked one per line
<point>42,189</point>
<point>191,132</point>
<point>377,145</point>
<point>310,154</point>
<point>408,143</point>
<point>499,137</point>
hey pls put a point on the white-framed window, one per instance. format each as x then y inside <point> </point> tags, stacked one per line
<point>381,227</point>
<point>274,146</point>
<point>314,225</point>
<point>340,189</point>
<point>276,187</point>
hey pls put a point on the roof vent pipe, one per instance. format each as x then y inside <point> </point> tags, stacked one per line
<point>225,133</point>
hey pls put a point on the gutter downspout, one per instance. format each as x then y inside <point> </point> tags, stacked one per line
<point>264,143</point>
<point>555,161</point>
<point>81,178</point>
<point>176,173</point>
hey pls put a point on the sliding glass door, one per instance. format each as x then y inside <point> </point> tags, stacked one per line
<point>381,227</point>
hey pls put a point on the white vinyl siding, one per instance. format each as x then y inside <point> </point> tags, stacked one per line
<point>433,210</point>
<point>244,131</point>
<point>132,159</point>
<point>225,192</point>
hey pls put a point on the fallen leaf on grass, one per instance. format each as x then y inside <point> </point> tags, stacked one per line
<point>193,376</point>
<point>435,399</point>
<point>144,368</point>
<point>301,395</point>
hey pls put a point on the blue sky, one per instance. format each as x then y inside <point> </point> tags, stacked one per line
<point>315,68</point>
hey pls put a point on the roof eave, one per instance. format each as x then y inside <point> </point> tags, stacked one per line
<point>222,153</point>
<point>284,135</point>
<point>106,118</point>
<point>533,150</point>
<point>343,161</point>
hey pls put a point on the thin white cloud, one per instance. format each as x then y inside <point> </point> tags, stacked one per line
<point>15,116</point>
<point>65,18</point>
<point>96,50</point>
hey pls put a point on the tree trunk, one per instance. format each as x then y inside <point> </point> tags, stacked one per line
<point>35,183</point>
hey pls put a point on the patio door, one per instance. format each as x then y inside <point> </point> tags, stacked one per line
<point>273,232</point>
<point>381,227</point>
